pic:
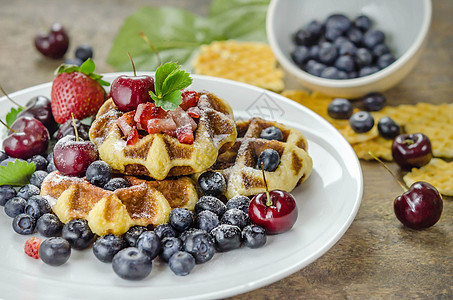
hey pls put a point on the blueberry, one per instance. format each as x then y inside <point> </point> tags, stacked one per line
<point>314,52</point>
<point>51,167</point>
<point>200,244</point>
<point>165,230</point>
<point>271,133</point>
<point>314,28</point>
<point>371,38</point>
<point>303,38</point>
<point>340,41</point>
<point>342,75</point>
<point>50,157</point>
<point>235,217</point>
<point>361,122</point>
<point>239,202</point>
<point>385,61</point>
<point>83,52</point>
<point>170,245</point>
<point>24,224</point>
<point>352,75</point>
<point>226,237</point>
<point>15,206</point>
<point>254,236</point>
<point>330,73</point>
<point>40,161</point>
<point>183,236</point>
<point>107,246</point>
<point>212,183</point>
<point>340,108</point>
<point>132,235</point>
<point>55,251</point>
<point>388,128</point>
<point>362,22</point>
<point>37,206</point>
<point>7,192</point>
<point>363,57</point>
<point>99,173</point>
<point>206,220</point>
<point>315,68</point>
<point>354,35</point>
<point>327,53</point>
<point>373,101</point>
<point>300,55</point>
<point>332,34</point>
<point>338,21</point>
<point>347,48</point>
<point>3,155</point>
<point>269,160</point>
<point>181,263</point>
<point>10,159</point>
<point>131,264</point>
<point>345,63</point>
<point>116,183</point>
<point>181,219</point>
<point>210,203</point>
<point>73,61</point>
<point>149,243</point>
<point>38,177</point>
<point>368,70</point>
<point>78,234</point>
<point>380,50</point>
<point>49,225</point>
<point>27,191</point>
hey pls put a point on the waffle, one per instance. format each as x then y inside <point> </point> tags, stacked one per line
<point>237,165</point>
<point>248,62</point>
<point>161,155</point>
<point>438,173</point>
<point>143,203</point>
<point>379,146</point>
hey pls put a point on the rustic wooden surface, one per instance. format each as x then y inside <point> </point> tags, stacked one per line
<point>377,257</point>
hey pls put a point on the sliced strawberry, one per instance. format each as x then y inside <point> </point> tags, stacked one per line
<point>126,122</point>
<point>31,247</point>
<point>185,135</point>
<point>189,99</point>
<point>161,125</point>
<point>147,111</point>
<point>132,137</point>
<point>194,112</point>
<point>182,118</point>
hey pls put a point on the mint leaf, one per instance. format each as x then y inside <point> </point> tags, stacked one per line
<point>170,102</point>
<point>16,173</point>
<point>88,67</point>
<point>161,74</point>
<point>176,80</point>
<point>12,115</point>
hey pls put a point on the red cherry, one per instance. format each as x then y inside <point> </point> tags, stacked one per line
<point>30,137</point>
<point>54,44</point>
<point>72,157</point>
<point>420,207</point>
<point>412,150</point>
<point>129,91</point>
<point>40,108</point>
<point>276,216</point>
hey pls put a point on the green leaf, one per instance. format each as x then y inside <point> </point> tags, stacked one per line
<point>161,75</point>
<point>16,173</point>
<point>12,115</point>
<point>176,80</point>
<point>170,102</point>
<point>88,67</point>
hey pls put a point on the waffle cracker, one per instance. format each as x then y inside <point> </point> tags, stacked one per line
<point>437,172</point>
<point>161,155</point>
<point>248,62</point>
<point>238,164</point>
<point>143,203</point>
<point>379,146</point>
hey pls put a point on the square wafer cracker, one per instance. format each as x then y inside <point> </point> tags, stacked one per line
<point>379,146</point>
<point>249,62</point>
<point>437,172</point>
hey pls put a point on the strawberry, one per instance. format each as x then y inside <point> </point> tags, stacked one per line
<point>132,137</point>
<point>31,247</point>
<point>126,122</point>
<point>185,134</point>
<point>77,90</point>
<point>189,99</point>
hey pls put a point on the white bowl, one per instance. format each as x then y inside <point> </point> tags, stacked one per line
<point>405,23</point>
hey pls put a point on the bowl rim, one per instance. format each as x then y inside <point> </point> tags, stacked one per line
<point>346,83</point>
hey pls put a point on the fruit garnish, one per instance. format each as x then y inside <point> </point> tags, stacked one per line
<point>77,90</point>
<point>72,157</point>
<point>412,150</point>
<point>169,81</point>
<point>16,173</point>
<point>54,44</point>
<point>31,247</point>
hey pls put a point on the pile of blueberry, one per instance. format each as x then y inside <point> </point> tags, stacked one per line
<point>341,48</point>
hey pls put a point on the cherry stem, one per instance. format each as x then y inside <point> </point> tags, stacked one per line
<point>403,186</point>
<point>6,125</point>
<point>145,38</point>
<point>7,96</point>
<point>75,128</point>
<point>269,201</point>
<point>132,62</point>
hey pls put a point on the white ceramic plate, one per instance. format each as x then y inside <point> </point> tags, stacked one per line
<point>328,202</point>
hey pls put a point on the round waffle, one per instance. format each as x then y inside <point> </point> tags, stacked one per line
<point>161,155</point>
<point>238,164</point>
<point>143,203</point>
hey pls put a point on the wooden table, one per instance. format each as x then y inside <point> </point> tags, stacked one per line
<point>377,257</point>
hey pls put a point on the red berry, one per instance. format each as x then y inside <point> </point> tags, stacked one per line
<point>185,135</point>
<point>129,91</point>
<point>72,157</point>
<point>54,44</point>
<point>189,99</point>
<point>31,247</point>
<point>132,137</point>
<point>412,150</point>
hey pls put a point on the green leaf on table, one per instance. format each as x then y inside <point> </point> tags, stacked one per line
<point>16,173</point>
<point>12,115</point>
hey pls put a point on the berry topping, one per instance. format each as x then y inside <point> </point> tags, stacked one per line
<point>131,264</point>
<point>189,99</point>
<point>170,245</point>
<point>37,206</point>
<point>239,202</point>
<point>361,122</point>
<point>272,133</point>
<point>78,234</point>
<point>15,206</point>
<point>24,224</point>
<point>236,217</point>
<point>165,230</point>
<point>226,237</point>
<point>149,243</point>
<point>40,162</point>
<point>99,173</point>
<point>31,247</point>
<point>210,203</point>
<point>269,159</point>
<point>254,236</point>
<point>181,219</point>
<point>181,263</point>
<point>340,108</point>
<point>116,183</point>
<point>212,183</point>
<point>28,191</point>
<point>37,178</point>
<point>206,220</point>
<point>132,235</point>
<point>55,251</point>
<point>7,192</point>
<point>49,225</point>
<point>107,246</point>
<point>200,244</point>
<point>388,128</point>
